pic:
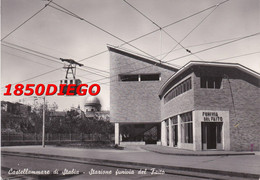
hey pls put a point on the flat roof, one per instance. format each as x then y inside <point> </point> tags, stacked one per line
<point>215,64</point>
<point>150,60</point>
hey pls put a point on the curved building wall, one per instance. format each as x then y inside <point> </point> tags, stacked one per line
<point>232,111</point>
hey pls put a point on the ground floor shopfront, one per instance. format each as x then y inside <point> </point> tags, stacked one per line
<point>197,130</point>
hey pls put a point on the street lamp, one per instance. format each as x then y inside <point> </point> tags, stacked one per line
<point>43,122</point>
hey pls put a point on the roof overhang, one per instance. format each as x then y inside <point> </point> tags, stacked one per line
<point>215,64</point>
<point>150,60</point>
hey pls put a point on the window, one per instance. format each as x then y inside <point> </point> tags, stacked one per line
<point>179,89</point>
<point>210,82</point>
<point>139,77</point>
<point>174,120</point>
<point>150,77</point>
<point>186,127</point>
<point>71,81</point>
<point>130,77</point>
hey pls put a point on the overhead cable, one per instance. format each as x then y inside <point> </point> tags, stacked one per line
<point>36,53</point>
<point>25,21</point>
<point>216,6</point>
<point>203,50</point>
<point>149,33</point>
<point>213,47</point>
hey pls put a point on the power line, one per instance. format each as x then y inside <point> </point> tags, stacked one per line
<point>37,76</point>
<point>22,58</point>
<point>101,29</point>
<point>46,65</point>
<point>241,55</point>
<point>202,44</point>
<point>223,44</point>
<point>31,53</point>
<point>160,28</point>
<point>26,21</point>
<point>149,33</point>
<point>189,46</point>
<point>245,37</point>
<point>216,6</point>
<point>35,53</point>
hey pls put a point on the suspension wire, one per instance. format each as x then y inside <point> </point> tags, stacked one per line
<point>101,29</point>
<point>26,21</point>
<point>216,6</point>
<point>151,32</point>
<point>213,47</point>
<point>203,50</point>
<point>35,53</point>
<point>195,45</point>
<point>160,28</point>
<point>241,55</point>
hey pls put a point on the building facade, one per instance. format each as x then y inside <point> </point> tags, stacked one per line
<point>211,106</point>
<point>134,103</point>
<point>201,106</point>
<point>92,109</point>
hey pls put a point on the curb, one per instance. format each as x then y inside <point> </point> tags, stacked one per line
<point>193,154</point>
<point>133,165</point>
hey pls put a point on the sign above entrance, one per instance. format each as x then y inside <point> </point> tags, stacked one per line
<point>212,116</point>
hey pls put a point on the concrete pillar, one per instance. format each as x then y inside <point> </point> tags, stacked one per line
<point>117,134</point>
<point>179,131</point>
<point>170,133</point>
<point>226,131</point>
<point>196,128</point>
<point>163,133</point>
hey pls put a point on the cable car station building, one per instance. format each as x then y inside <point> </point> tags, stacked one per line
<point>201,106</point>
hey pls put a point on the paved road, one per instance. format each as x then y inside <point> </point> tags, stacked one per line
<point>79,170</point>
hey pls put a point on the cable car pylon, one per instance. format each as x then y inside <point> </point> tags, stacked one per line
<point>70,70</point>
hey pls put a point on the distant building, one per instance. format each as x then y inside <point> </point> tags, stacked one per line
<point>92,108</point>
<point>201,106</point>
<point>16,108</point>
<point>79,111</point>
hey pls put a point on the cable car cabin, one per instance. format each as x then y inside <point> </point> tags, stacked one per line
<point>70,81</point>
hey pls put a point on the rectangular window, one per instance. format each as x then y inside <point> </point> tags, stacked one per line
<point>210,82</point>
<point>150,77</point>
<point>187,127</point>
<point>129,77</point>
<point>203,82</point>
<point>174,120</point>
<point>180,89</point>
<point>218,83</point>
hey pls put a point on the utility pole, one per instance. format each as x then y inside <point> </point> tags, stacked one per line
<point>43,123</point>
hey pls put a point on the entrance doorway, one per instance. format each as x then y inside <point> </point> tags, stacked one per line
<point>211,134</point>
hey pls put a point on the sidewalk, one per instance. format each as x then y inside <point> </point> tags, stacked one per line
<point>248,164</point>
<point>183,152</point>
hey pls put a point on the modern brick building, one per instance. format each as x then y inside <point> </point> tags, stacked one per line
<point>134,103</point>
<point>202,106</point>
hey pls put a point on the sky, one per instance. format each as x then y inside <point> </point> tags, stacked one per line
<point>53,34</point>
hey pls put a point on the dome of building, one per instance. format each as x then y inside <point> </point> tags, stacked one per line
<point>92,100</point>
<point>92,103</point>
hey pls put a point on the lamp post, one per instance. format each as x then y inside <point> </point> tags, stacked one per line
<point>43,123</point>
